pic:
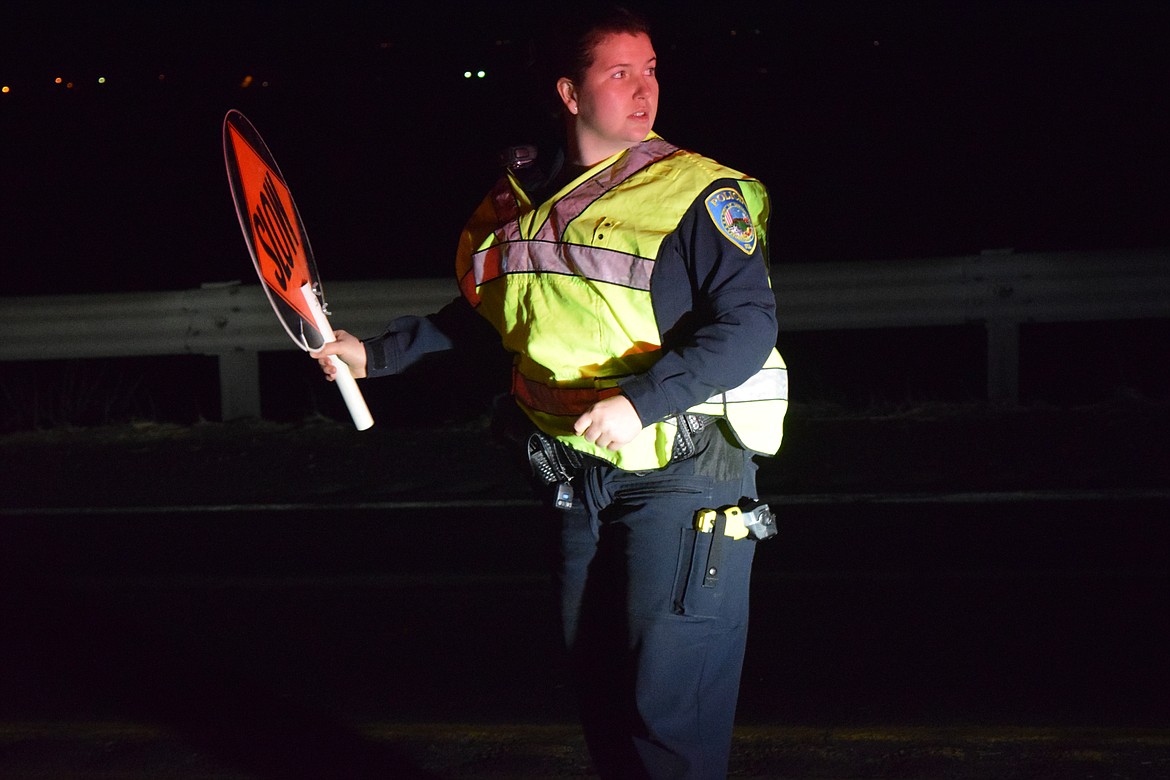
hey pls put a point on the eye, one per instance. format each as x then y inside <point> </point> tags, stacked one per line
<point>618,74</point>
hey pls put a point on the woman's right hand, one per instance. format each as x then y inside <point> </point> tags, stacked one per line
<point>348,348</point>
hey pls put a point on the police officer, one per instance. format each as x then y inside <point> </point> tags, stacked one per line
<point>629,283</point>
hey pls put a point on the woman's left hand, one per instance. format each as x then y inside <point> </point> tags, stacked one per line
<point>610,423</point>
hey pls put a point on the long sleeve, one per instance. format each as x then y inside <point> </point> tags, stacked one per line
<point>409,339</point>
<point>716,312</point>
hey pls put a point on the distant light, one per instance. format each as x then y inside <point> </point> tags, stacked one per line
<point>4,89</point>
<point>466,74</point>
<point>101,79</point>
<point>480,74</point>
<point>69,85</point>
<point>247,82</point>
<point>58,80</point>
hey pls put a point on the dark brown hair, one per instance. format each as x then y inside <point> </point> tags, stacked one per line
<point>572,47</point>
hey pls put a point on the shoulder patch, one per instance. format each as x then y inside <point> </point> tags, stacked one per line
<point>730,214</point>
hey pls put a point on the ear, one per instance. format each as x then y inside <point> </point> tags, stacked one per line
<point>568,94</point>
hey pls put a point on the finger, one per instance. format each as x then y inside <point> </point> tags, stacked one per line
<point>581,425</point>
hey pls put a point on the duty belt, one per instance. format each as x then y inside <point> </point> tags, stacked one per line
<point>689,425</point>
<point>556,463</point>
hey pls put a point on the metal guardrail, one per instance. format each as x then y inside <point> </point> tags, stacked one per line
<point>235,323</point>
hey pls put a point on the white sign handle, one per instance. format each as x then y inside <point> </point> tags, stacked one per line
<point>345,381</point>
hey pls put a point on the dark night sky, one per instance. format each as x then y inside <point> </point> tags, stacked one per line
<point>884,130</point>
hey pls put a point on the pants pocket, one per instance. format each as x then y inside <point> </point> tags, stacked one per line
<point>692,597</point>
<point>700,592</point>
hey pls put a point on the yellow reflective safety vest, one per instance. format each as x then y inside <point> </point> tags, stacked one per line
<point>566,283</point>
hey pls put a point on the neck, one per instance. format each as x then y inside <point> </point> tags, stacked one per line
<point>586,152</point>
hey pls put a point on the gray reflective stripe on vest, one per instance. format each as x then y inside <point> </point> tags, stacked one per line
<point>596,263</point>
<point>767,384</point>
<point>581,197</point>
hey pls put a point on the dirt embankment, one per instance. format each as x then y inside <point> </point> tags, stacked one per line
<point>945,448</point>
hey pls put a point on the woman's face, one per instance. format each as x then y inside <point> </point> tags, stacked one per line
<point>616,101</point>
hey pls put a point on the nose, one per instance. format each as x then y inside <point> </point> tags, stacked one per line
<point>641,86</point>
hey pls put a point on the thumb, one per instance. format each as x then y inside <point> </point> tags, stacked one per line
<point>328,348</point>
<point>581,424</point>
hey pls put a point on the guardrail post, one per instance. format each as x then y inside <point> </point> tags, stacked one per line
<point>1003,361</point>
<point>239,384</point>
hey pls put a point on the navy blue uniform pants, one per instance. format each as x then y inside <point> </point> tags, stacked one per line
<point>656,654</point>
